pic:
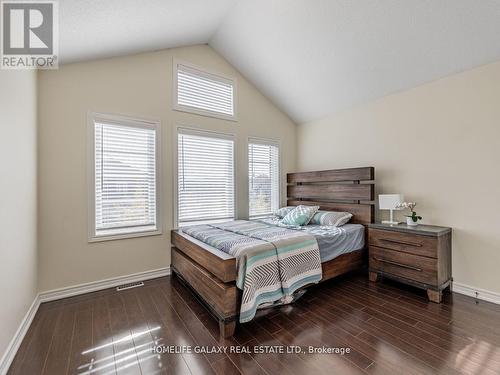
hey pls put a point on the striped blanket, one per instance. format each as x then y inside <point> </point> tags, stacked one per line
<point>273,262</point>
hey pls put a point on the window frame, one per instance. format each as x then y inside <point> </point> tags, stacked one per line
<point>133,121</point>
<point>202,132</point>
<point>268,142</point>
<point>198,111</point>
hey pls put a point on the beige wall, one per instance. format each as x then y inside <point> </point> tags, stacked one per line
<point>139,85</point>
<point>18,265</point>
<point>439,144</point>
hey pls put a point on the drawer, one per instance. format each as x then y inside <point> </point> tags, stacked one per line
<point>408,243</point>
<point>408,266</point>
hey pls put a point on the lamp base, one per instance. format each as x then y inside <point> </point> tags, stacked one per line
<point>391,219</point>
<point>390,222</point>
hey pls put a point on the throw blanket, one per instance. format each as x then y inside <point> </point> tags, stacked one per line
<point>273,262</point>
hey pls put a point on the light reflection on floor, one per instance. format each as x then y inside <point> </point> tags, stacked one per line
<point>124,359</point>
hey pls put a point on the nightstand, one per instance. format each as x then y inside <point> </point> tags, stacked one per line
<point>416,255</point>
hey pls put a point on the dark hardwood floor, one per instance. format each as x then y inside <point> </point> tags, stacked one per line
<point>389,329</point>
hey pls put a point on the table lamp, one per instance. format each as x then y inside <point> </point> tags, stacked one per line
<point>389,202</point>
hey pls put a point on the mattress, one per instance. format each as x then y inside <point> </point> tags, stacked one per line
<point>332,241</point>
<point>335,241</point>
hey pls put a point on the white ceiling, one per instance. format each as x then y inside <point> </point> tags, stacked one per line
<point>92,29</point>
<point>311,58</point>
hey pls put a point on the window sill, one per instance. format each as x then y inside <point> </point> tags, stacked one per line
<point>201,222</point>
<point>122,236</point>
<point>265,216</point>
<point>202,112</point>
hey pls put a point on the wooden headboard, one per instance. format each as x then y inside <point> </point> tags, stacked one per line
<point>351,190</point>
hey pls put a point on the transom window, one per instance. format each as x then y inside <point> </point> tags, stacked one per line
<point>263,177</point>
<point>124,188</point>
<point>205,181</point>
<point>198,91</point>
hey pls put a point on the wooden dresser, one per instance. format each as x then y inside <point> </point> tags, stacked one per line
<point>416,255</point>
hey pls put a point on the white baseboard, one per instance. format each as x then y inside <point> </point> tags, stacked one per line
<point>14,344</point>
<point>478,293</point>
<point>70,291</point>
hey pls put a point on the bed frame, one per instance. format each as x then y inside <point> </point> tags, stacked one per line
<point>211,273</point>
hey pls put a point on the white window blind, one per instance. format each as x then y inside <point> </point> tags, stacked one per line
<point>205,177</point>
<point>204,93</point>
<point>125,177</point>
<point>263,178</point>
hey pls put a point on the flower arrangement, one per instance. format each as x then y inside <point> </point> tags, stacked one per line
<point>413,218</point>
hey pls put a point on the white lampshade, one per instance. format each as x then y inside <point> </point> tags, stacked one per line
<point>389,201</point>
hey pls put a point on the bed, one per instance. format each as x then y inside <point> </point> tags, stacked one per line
<point>211,273</point>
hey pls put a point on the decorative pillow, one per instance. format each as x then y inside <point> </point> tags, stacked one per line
<point>283,211</point>
<point>332,218</point>
<point>300,215</point>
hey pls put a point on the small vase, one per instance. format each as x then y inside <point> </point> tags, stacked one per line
<point>409,221</point>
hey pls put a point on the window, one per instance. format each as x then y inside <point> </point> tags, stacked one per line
<point>263,177</point>
<point>205,183</point>
<point>204,93</point>
<point>124,177</point>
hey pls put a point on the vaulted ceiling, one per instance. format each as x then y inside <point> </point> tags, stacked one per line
<point>310,57</point>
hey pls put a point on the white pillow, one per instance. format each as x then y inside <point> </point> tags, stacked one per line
<point>332,218</point>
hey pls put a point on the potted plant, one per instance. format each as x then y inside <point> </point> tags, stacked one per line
<point>413,218</point>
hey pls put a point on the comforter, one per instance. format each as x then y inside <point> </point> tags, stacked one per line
<point>273,262</point>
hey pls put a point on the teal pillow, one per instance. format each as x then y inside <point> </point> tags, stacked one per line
<point>300,215</point>
<point>283,211</point>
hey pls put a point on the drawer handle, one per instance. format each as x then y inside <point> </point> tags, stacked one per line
<point>402,242</point>
<point>398,264</point>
